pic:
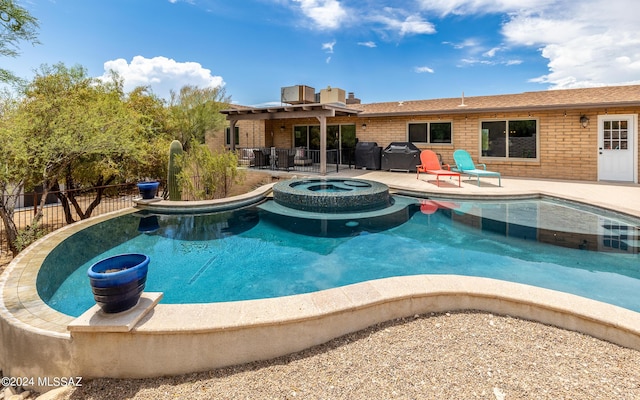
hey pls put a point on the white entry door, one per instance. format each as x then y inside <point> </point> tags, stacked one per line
<point>616,147</point>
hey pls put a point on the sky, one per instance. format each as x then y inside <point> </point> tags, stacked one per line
<point>381,50</point>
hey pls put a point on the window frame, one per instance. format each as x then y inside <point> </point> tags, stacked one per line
<point>428,132</point>
<point>312,129</point>
<point>227,135</point>
<point>506,157</point>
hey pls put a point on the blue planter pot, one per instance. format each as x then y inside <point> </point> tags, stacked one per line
<point>148,190</point>
<point>117,282</point>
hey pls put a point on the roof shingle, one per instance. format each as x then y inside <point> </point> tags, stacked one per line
<point>606,96</point>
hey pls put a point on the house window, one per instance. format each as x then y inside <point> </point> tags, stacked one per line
<point>338,136</point>
<point>430,132</point>
<point>227,136</point>
<point>616,135</point>
<point>509,139</point>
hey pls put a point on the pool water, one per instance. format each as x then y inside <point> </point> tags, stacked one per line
<point>252,253</point>
<point>328,189</point>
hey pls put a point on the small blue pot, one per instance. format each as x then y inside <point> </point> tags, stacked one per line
<point>117,282</point>
<point>148,190</point>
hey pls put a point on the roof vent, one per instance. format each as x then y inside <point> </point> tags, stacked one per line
<point>462,101</point>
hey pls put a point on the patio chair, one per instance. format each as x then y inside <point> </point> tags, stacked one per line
<point>285,159</point>
<point>260,160</point>
<point>301,158</point>
<point>465,165</point>
<point>431,165</point>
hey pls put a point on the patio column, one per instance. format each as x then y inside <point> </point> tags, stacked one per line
<point>323,144</point>
<point>232,136</point>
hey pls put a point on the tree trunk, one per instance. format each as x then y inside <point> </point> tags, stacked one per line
<point>64,202</point>
<point>70,198</point>
<point>7,209</point>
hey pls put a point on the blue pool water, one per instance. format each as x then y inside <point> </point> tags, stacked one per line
<point>253,253</point>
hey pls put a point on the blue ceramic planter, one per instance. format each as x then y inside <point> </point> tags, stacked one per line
<point>148,190</point>
<point>117,282</point>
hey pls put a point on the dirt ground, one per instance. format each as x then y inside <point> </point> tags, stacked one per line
<point>252,180</point>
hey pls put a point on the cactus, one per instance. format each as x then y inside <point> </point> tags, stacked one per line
<point>173,170</point>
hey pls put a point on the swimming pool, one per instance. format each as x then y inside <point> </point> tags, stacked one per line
<point>255,253</point>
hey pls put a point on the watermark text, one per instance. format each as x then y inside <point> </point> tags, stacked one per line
<point>47,381</point>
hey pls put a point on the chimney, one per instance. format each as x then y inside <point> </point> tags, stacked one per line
<point>352,99</point>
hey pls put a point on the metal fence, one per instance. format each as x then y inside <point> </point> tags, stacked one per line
<point>301,159</point>
<point>114,197</point>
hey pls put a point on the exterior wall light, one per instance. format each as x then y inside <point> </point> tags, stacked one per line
<point>364,126</point>
<point>584,121</point>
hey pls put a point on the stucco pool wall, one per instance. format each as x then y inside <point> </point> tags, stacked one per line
<point>168,339</point>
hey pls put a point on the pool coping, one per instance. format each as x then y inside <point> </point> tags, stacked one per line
<point>330,313</point>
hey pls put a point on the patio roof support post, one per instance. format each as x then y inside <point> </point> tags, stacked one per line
<point>323,144</point>
<point>232,136</point>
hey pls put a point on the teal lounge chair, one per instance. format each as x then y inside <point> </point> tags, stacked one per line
<point>465,165</point>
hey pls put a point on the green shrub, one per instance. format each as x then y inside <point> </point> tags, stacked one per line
<point>205,175</point>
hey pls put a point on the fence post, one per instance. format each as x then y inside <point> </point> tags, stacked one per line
<point>35,202</point>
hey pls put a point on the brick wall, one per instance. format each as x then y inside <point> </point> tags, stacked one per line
<point>252,134</point>
<point>566,150</point>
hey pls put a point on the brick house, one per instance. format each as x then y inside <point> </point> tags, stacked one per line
<point>577,134</point>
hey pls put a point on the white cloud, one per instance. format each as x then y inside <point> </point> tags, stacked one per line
<point>333,15</point>
<point>327,14</point>
<point>328,47</point>
<point>369,44</point>
<point>592,43</point>
<point>468,7</point>
<point>586,43</point>
<point>470,42</point>
<point>474,61</point>
<point>422,70</point>
<point>161,74</point>
<point>414,24</point>
<point>491,52</point>
<point>403,25</point>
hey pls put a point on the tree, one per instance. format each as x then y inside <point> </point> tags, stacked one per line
<point>68,130</point>
<point>196,111</point>
<point>153,132</point>
<point>16,25</point>
<point>13,169</point>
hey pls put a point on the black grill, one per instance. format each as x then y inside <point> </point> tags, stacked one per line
<point>401,156</point>
<point>368,155</point>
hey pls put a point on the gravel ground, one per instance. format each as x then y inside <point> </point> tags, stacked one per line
<point>458,355</point>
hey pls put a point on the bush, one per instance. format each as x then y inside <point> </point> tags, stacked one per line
<point>28,235</point>
<point>206,175</point>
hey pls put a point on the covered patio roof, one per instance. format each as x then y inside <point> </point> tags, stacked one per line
<point>316,110</point>
<point>289,111</point>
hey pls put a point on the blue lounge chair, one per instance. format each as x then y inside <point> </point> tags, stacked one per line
<point>465,165</point>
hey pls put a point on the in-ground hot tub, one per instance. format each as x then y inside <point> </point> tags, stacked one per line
<point>332,195</point>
